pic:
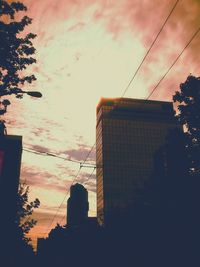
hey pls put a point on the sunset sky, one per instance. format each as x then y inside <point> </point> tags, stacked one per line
<point>88,49</point>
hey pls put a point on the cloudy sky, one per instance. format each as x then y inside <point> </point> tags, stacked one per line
<point>88,49</point>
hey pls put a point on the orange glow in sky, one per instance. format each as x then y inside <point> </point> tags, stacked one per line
<point>87,50</point>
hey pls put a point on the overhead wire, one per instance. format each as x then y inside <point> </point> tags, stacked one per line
<point>89,176</point>
<point>83,183</point>
<point>87,156</point>
<point>74,179</point>
<point>174,62</point>
<point>57,210</point>
<point>151,46</point>
<point>56,213</point>
<point>81,163</point>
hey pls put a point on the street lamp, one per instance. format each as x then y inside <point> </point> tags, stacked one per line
<point>32,93</point>
<point>5,102</point>
<point>19,92</point>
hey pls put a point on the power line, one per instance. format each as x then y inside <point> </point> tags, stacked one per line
<point>49,154</point>
<point>56,213</point>
<point>87,156</point>
<point>151,46</point>
<point>81,163</point>
<point>83,183</point>
<point>177,58</point>
<point>89,176</point>
<point>75,177</point>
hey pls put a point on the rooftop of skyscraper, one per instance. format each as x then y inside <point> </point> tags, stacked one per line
<point>135,108</point>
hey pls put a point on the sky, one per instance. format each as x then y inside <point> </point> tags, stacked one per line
<point>88,49</point>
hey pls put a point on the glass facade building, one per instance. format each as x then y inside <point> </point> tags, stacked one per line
<point>128,133</point>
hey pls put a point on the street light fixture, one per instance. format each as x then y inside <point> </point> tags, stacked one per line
<point>18,92</point>
<point>32,93</point>
<point>5,102</point>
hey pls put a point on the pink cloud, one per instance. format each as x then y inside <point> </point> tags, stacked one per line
<point>142,19</point>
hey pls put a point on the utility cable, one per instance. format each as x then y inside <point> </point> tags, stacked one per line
<point>83,183</point>
<point>75,177</point>
<point>89,176</point>
<point>177,58</point>
<point>151,46</point>
<point>57,210</point>
<point>89,165</point>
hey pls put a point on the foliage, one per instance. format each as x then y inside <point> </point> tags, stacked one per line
<point>24,211</point>
<point>188,100</point>
<point>57,231</point>
<point>16,49</point>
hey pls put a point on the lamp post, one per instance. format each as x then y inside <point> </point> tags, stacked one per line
<point>5,102</point>
<point>32,93</point>
<point>19,92</point>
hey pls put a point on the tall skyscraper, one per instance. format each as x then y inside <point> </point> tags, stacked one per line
<point>128,134</point>
<point>77,205</point>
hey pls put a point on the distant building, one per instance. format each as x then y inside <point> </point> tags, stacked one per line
<point>77,205</point>
<point>128,134</point>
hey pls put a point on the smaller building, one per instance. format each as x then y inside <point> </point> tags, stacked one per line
<point>77,205</point>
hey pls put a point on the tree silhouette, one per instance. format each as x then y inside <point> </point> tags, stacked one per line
<point>188,100</point>
<point>24,211</point>
<point>16,51</point>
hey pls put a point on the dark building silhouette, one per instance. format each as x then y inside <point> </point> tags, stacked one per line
<point>77,205</point>
<point>128,134</point>
<point>10,163</point>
